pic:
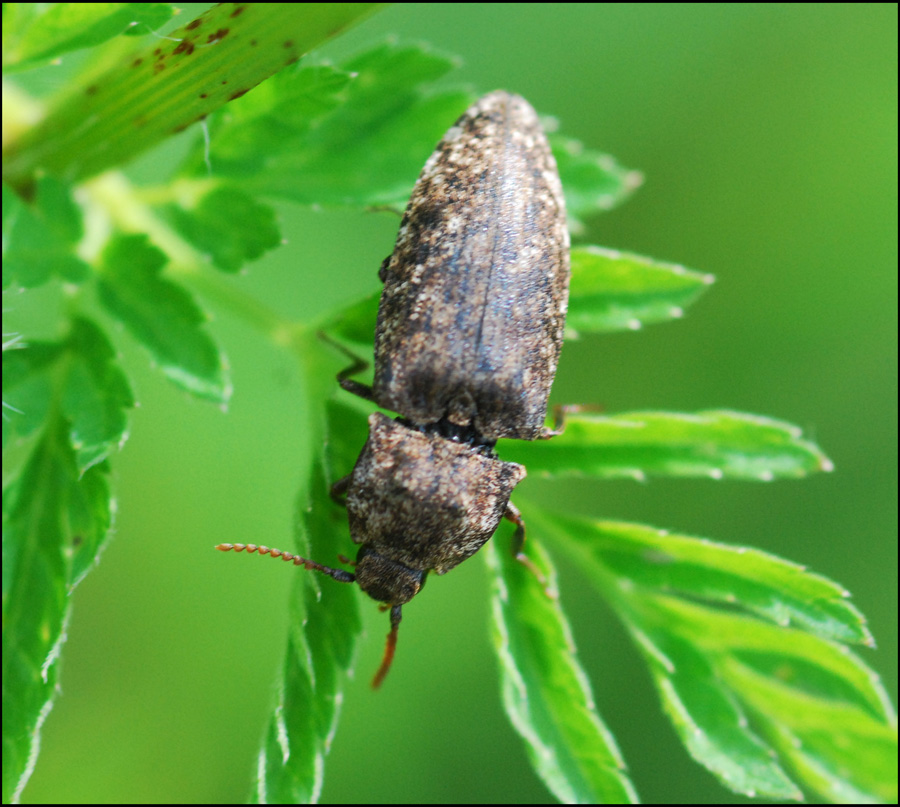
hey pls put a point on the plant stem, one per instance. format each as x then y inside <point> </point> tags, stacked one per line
<point>164,87</point>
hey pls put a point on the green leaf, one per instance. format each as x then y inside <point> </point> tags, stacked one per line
<point>55,520</point>
<point>39,239</point>
<point>228,225</point>
<point>370,150</point>
<point>356,322</point>
<point>711,722</point>
<point>359,137</point>
<point>33,36</point>
<point>96,394</point>
<point>615,291</point>
<point>782,592</point>
<point>318,137</point>
<point>81,376</point>
<point>275,117</point>
<point>714,444</point>
<point>545,692</point>
<point>28,388</point>
<point>325,624</point>
<point>593,182</point>
<point>814,699</point>
<point>162,316</point>
<point>752,692</point>
<point>838,749</point>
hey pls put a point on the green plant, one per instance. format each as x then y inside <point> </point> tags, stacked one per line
<point>712,620</point>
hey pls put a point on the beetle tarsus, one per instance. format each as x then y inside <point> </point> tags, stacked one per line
<point>513,514</point>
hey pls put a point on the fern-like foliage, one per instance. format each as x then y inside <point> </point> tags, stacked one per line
<point>748,651</point>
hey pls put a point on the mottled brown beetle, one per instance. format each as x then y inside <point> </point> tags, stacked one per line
<point>470,327</point>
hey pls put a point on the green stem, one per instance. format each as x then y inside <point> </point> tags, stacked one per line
<point>164,87</point>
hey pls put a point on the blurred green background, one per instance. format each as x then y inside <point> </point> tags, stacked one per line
<point>767,135</point>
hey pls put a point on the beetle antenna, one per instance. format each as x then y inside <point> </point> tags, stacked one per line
<point>338,574</point>
<point>389,648</point>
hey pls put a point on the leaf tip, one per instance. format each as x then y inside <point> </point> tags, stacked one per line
<point>633,180</point>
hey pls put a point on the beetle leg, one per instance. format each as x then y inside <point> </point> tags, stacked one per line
<point>513,514</point>
<point>559,418</point>
<point>338,490</point>
<point>359,364</point>
<point>383,269</point>
<point>518,547</point>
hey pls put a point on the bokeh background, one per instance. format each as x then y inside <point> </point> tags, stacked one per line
<point>767,135</point>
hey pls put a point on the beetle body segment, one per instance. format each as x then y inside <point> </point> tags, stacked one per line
<point>421,501</point>
<point>471,319</point>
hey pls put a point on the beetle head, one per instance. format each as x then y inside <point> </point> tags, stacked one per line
<point>387,580</point>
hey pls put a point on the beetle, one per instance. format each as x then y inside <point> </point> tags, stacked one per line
<point>468,337</point>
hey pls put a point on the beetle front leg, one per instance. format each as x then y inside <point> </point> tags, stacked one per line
<point>338,490</point>
<point>513,514</point>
